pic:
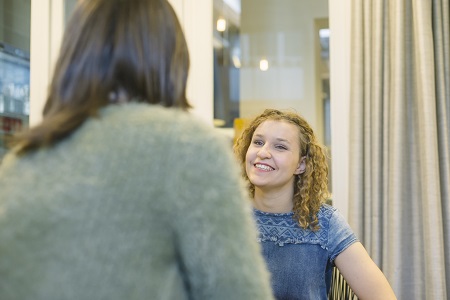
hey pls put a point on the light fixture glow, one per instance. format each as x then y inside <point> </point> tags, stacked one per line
<point>263,65</point>
<point>221,24</point>
<point>236,61</point>
<point>324,33</point>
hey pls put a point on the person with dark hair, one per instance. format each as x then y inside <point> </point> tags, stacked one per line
<point>302,237</point>
<point>119,193</point>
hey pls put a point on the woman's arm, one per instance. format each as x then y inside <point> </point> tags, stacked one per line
<point>362,274</point>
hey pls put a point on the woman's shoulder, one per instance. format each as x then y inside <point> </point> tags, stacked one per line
<point>330,216</point>
<point>326,211</point>
<point>156,119</point>
<point>136,112</point>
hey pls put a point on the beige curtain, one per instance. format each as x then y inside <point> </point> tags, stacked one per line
<point>399,186</point>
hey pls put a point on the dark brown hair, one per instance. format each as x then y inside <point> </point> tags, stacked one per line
<point>311,186</point>
<point>134,48</point>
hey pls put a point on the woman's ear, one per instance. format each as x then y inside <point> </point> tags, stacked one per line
<point>301,166</point>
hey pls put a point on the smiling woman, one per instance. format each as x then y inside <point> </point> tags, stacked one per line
<point>272,161</point>
<point>302,238</point>
<point>288,130</point>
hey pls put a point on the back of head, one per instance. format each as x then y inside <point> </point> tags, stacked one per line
<point>113,51</point>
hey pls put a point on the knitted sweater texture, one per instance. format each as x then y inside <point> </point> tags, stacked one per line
<point>142,202</point>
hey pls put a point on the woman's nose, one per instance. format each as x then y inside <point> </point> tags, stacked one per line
<point>264,153</point>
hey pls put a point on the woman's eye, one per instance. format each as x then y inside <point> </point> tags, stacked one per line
<point>258,142</point>
<point>281,147</point>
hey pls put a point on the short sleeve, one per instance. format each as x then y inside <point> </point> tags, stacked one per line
<point>340,235</point>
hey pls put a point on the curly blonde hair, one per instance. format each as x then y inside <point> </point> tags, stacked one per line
<point>311,187</point>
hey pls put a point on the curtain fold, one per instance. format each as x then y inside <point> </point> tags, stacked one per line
<point>399,197</point>
<point>441,37</point>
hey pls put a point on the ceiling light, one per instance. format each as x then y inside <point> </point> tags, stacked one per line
<point>221,25</point>
<point>263,65</point>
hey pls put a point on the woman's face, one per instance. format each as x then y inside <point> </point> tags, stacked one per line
<point>273,157</point>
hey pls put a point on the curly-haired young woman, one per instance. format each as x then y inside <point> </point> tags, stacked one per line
<point>302,237</point>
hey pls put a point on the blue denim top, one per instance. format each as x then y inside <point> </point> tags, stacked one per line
<point>300,260</point>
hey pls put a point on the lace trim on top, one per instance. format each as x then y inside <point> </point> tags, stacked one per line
<point>282,228</point>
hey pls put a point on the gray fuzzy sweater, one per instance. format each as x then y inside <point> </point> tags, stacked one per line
<point>140,203</point>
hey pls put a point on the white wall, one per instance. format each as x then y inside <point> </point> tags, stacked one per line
<point>196,19</point>
<point>47,23</point>
<point>340,25</point>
